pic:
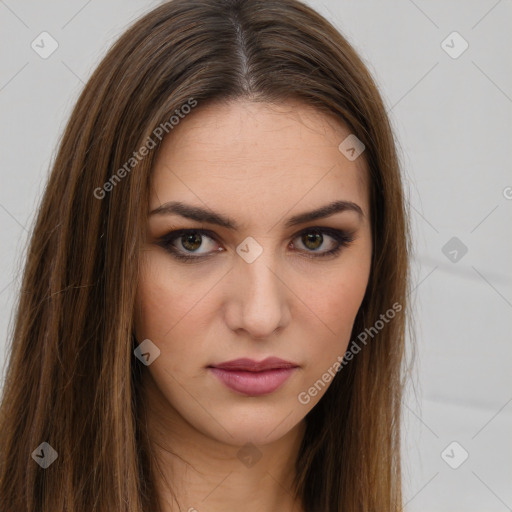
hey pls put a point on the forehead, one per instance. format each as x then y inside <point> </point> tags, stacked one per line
<point>225,153</point>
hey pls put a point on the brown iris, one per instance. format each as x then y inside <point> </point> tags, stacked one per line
<point>312,239</point>
<point>193,239</point>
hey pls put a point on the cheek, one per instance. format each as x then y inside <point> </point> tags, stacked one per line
<point>166,299</point>
<point>334,304</point>
<point>335,297</point>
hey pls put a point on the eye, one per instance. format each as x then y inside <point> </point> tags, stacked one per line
<point>189,241</point>
<point>313,239</point>
<point>185,244</point>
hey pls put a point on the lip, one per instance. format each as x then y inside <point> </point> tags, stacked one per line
<point>254,378</point>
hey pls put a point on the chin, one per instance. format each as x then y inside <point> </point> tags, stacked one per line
<point>254,425</point>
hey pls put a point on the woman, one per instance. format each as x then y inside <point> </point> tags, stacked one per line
<point>213,308</point>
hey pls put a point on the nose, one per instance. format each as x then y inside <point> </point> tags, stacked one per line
<point>258,298</point>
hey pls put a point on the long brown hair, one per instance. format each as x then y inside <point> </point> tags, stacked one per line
<point>72,378</point>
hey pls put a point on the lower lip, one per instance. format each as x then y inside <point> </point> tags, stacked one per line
<point>253,383</point>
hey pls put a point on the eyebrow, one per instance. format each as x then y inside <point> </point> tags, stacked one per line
<point>203,215</point>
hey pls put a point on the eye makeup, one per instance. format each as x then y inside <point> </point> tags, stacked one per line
<point>339,238</point>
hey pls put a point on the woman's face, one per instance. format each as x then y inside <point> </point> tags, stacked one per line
<point>261,287</point>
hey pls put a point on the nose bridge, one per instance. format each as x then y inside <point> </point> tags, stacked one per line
<point>259,289</point>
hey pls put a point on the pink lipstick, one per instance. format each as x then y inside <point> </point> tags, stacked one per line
<point>254,378</point>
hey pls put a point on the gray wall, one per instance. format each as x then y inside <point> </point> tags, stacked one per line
<point>452,114</point>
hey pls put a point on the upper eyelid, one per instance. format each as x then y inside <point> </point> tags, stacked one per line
<point>205,231</point>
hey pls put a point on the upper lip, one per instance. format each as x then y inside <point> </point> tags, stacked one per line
<point>250,365</point>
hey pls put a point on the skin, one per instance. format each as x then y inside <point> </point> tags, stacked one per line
<point>258,164</point>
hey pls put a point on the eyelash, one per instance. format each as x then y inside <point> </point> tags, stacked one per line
<point>342,238</point>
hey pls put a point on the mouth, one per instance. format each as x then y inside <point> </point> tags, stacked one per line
<point>253,378</point>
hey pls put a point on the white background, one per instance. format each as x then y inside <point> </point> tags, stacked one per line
<point>452,117</point>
